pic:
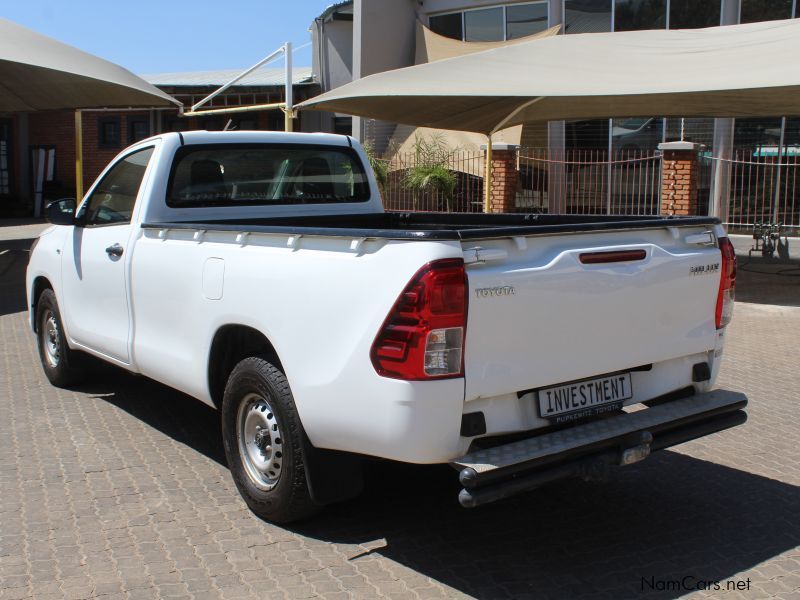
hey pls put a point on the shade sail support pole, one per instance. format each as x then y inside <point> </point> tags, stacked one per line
<point>78,156</point>
<point>487,179</point>
<point>288,111</point>
<point>240,76</point>
<point>235,109</point>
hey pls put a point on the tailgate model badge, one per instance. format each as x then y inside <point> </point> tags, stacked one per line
<point>504,290</point>
<point>708,269</point>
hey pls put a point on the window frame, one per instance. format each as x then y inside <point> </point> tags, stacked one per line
<point>81,212</point>
<point>463,11</point>
<point>103,120</point>
<point>131,120</point>
<point>349,151</point>
<point>515,4</point>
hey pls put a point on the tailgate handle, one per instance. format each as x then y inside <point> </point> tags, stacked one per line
<point>613,256</point>
<point>700,238</point>
<point>481,255</point>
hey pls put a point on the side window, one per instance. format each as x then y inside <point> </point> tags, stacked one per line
<point>112,201</point>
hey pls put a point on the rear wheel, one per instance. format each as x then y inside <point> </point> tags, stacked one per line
<point>263,440</point>
<point>62,365</point>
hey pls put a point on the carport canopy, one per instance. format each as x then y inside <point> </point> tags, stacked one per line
<point>732,71</point>
<point>40,73</point>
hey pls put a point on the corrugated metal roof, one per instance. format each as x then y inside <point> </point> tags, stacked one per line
<point>341,7</point>
<point>261,77</point>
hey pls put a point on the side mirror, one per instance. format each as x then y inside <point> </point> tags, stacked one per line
<point>61,212</point>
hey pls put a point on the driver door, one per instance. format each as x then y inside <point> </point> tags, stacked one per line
<point>96,260</point>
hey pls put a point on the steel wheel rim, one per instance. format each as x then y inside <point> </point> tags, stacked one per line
<point>260,441</point>
<point>51,337</point>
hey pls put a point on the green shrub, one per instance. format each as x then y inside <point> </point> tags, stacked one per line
<point>431,174</point>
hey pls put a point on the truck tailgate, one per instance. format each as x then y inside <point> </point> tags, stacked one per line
<point>542,313</point>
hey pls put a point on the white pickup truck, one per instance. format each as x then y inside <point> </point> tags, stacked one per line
<point>259,273</point>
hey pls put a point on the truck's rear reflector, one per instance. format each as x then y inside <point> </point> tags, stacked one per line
<point>727,283</point>
<point>423,336</point>
<point>613,256</point>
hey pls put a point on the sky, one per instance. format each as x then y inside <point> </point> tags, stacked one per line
<point>152,36</point>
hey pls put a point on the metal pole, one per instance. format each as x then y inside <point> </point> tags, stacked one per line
<point>609,166</point>
<point>78,156</point>
<point>777,202</point>
<point>487,179</point>
<point>289,109</point>
<point>240,76</point>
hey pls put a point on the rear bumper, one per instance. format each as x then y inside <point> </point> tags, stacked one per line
<point>589,449</point>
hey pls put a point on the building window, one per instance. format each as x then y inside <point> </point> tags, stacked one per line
<point>765,10</point>
<point>343,125</point>
<point>212,124</point>
<point>176,124</point>
<point>447,25</point>
<point>108,132</point>
<point>246,125</point>
<point>484,25</point>
<point>138,128</point>
<point>634,15</point>
<point>493,24</point>
<point>694,14</point>
<point>587,16</point>
<point>586,135</point>
<point>525,19</point>
<point>5,158</point>
<point>636,135</point>
<point>755,133</point>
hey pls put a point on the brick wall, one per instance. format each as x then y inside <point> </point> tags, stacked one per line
<point>57,128</point>
<point>503,193</point>
<point>679,173</point>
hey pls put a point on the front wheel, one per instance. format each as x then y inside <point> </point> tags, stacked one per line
<point>263,440</point>
<point>62,365</point>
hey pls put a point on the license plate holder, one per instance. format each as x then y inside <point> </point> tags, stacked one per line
<point>585,398</point>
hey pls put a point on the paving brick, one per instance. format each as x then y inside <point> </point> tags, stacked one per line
<point>119,488</point>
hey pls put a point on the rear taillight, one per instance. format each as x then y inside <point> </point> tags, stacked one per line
<point>423,336</point>
<point>727,283</point>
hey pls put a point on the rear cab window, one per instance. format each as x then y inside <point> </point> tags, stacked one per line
<point>265,174</point>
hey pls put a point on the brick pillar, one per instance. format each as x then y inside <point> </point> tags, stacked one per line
<point>679,170</point>
<point>504,177</point>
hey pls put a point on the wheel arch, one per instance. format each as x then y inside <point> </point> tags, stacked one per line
<point>40,284</point>
<point>231,344</point>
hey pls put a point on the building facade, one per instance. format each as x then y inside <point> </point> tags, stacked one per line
<point>383,38</point>
<point>379,35</point>
<point>37,149</point>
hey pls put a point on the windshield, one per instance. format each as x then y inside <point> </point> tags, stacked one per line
<point>231,174</point>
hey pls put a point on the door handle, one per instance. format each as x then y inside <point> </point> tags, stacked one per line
<point>114,250</point>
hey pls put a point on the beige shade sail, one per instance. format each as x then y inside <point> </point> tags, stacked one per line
<point>431,46</point>
<point>40,73</point>
<point>733,71</point>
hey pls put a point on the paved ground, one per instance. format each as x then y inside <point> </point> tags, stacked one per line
<point>119,490</point>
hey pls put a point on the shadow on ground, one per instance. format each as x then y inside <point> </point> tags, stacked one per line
<point>768,281</point>
<point>649,526</point>
<point>181,417</point>
<point>670,517</point>
<point>13,262</point>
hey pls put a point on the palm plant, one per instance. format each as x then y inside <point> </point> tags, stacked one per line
<point>431,175</point>
<point>379,166</point>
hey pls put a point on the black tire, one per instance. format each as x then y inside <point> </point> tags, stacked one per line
<point>63,366</point>
<point>257,391</point>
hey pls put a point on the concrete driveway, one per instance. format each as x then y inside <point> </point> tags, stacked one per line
<point>119,489</point>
